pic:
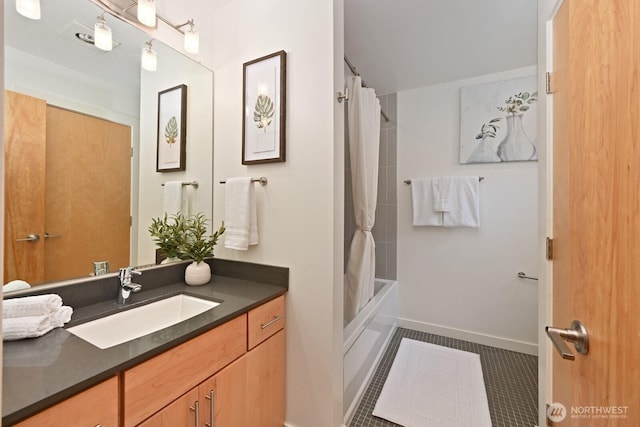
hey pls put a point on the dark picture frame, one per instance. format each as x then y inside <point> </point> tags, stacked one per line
<point>264,89</point>
<point>172,129</point>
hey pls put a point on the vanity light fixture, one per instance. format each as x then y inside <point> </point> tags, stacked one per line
<point>149,57</point>
<point>147,12</point>
<point>28,8</point>
<point>191,37</point>
<point>102,36</point>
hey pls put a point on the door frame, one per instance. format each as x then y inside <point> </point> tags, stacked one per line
<point>547,10</point>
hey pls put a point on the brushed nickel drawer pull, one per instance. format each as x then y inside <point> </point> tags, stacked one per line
<point>271,322</point>
<point>209,397</point>
<point>196,408</point>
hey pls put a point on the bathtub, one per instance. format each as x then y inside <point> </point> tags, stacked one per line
<point>365,339</point>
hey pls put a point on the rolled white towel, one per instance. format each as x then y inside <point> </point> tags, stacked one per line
<point>39,305</point>
<point>16,328</point>
<point>61,316</point>
<point>15,285</point>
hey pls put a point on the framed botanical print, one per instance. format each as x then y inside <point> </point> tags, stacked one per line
<point>264,109</point>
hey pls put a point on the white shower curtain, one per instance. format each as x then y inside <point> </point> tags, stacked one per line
<point>364,143</point>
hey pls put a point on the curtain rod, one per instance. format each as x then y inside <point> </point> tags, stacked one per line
<point>357,74</point>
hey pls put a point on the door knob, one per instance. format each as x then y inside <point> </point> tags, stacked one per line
<point>577,335</point>
<point>30,238</point>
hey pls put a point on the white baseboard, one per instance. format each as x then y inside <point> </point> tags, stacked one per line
<point>490,340</point>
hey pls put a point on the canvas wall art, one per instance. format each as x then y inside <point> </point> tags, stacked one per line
<point>498,121</point>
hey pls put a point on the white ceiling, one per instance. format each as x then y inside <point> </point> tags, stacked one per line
<point>404,44</point>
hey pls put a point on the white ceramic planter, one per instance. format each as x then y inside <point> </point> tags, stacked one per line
<point>170,260</point>
<point>197,274</point>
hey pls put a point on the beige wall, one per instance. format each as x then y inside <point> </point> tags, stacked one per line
<point>297,217</point>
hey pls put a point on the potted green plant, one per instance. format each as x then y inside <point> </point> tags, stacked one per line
<point>198,244</point>
<point>168,233</point>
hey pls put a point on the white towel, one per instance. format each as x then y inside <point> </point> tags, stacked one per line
<point>172,197</point>
<point>422,202</point>
<point>39,305</point>
<point>442,187</point>
<point>15,285</point>
<point>17,328</point>
<point>465,194</point>
<point>240,217</point>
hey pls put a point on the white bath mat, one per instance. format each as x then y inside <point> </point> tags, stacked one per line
<point>430,385</point>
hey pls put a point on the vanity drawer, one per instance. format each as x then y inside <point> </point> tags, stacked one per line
<point>266,320</point>
<point>155,383</point>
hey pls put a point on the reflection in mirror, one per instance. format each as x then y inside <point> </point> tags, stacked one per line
<point>81,127</point>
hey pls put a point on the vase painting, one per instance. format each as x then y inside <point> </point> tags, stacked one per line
<point>498,121</point>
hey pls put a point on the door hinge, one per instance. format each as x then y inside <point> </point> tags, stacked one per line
<point>549,248</point>
<point>130,220</point>
<point>548,82</point>
<point>131,151</point>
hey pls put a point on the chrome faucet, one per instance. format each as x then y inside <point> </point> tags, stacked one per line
<point>126,286</point>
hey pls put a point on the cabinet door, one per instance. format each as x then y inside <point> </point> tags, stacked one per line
<point>186,411</point>
<point>95,406</point>
<point>265,382</point>
<point>223,397</point>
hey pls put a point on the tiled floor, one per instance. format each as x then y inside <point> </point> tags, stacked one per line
<point>511,380</point>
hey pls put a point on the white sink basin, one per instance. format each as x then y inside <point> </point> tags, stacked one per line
<point>136,322</point>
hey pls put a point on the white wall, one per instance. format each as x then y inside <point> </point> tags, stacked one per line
<point>461,282</point>
<point>174,70</point>
<point>297,218</point>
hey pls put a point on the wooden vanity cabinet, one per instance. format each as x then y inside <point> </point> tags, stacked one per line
<point>156,383</point>
<point>97,406</point>
<point>234,373</point>
<point>248,392</point>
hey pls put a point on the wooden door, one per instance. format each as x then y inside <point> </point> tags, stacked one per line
<point>223,397</point>
<point>596,208</point>
<point>24,145</point>
<point>88,187</point>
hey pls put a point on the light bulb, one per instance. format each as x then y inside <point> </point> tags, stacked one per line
<point>149,58</point>
<point>28,8</point>
<point>147,12</point>
<point>192,40</point>
<point>102,36</point>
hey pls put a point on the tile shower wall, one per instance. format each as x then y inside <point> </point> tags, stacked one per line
<point>385,228</point>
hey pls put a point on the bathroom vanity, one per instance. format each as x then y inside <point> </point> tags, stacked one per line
<point>224,367</point>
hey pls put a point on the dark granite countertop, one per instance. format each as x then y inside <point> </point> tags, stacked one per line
<point>40,372</point>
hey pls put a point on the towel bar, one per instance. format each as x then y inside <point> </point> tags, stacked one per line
<point>194,183</point>
<point>408,181</point>
<point>262,180</point>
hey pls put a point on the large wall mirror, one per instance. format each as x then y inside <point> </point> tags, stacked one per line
<point>81,142</point>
